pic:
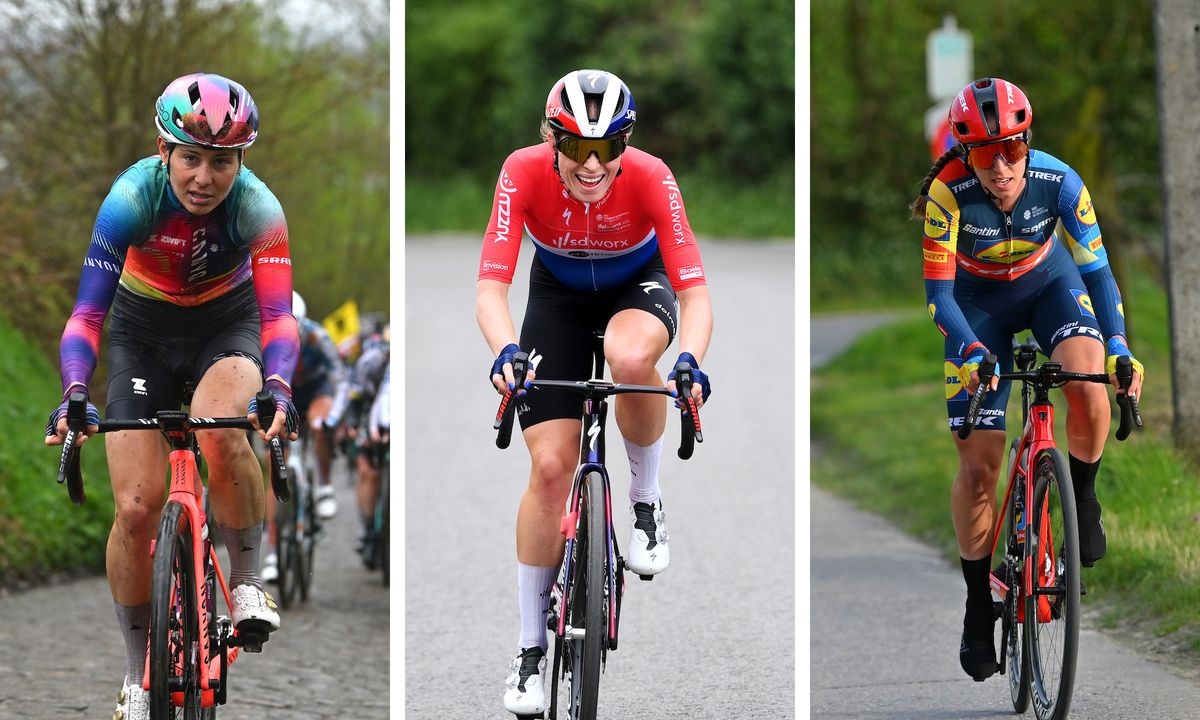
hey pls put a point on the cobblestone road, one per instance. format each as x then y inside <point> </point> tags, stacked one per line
<point>61,656</point>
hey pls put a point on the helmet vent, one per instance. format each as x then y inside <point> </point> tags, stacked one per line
<point>990,118</point>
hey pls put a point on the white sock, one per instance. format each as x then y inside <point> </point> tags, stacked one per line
<point>643,469</point>
<point>533,598</point>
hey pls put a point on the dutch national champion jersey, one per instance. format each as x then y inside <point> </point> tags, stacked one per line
<point>971,242</point>
<point>147,242</point>
<point>590,246</point>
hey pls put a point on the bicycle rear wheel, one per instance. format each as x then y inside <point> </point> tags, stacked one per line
<point>174,631</point>
<point>385,540</point>
<point>306,543</point>
<point>1052,608</point>
<point>287,548</point>
<point>586,607</point>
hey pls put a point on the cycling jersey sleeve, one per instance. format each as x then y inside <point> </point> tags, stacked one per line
<point>680,253</point>
<point>332,359</point>
<point>940,246</point>
<point>1083,240</point>
<point>125,215</point>
<point>502,241</point>
<point>261,220</point>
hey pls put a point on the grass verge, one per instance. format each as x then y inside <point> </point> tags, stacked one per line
<point>878,413</point>
<point>41,532</point>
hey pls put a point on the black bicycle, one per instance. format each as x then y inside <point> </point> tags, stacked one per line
<point>586,601</point>
<point>297,526</point>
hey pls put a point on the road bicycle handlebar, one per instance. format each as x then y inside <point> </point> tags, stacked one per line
<point>1051,375</point>
<point>690,430</point>
<point>169,422</point>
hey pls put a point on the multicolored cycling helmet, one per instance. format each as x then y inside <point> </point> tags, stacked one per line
<point>299,307</point>
<point>611,104</point>
<point>207,110</point>
<point>989,109</point>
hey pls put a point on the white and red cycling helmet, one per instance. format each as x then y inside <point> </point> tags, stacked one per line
<point>590,104</point>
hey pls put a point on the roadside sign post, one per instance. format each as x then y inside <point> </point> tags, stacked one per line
<point>948,66</point>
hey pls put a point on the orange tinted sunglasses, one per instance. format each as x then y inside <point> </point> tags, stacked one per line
<point>1013,150</point>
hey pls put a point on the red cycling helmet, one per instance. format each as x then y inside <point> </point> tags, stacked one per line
<point>989,109</point>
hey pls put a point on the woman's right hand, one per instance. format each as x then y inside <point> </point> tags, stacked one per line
<point>56,426</point>
<point>502,371</point>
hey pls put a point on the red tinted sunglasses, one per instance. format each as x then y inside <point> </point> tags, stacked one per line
<point>578,149</point>
<point>1013,150</point>
<point>228,135</point>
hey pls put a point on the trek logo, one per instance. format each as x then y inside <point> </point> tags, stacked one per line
<point>504,207</point>
<point>1074,328</point>
<point>652,285</point>
<point>962,101</point>
<point>1052,177</point>
<point>139,386</point>
<point>988,418</point>
<point>982,232</point>
<point>963,186</point>
<point>1008,92</point>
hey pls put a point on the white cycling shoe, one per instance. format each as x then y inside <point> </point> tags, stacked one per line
<point>253,607</point>
<point>133,703</point>
<point>270,568</point>
<point>525,691</point>
<point>648,551</point>
<point>326,502</point>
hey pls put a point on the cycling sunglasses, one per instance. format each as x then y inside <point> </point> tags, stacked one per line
<point>578,149</point>
<point>230,134</point>
<point>1013,150</point>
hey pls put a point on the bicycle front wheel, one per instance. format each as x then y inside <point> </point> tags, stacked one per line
<point>287,548</point>
<point>587,602</point>
<point>1052,607</point>
<point>174,624</point>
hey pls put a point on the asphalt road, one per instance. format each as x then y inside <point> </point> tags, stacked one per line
<point>61,655</point>
<point>886,614</point>
<point>712,637</point>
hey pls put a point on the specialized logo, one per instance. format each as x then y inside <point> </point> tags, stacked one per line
<point>139,386</point>
<point>937,225</point>
<point>652,285</point>
<point>553,112</point>
<point>1083,208</point>
<point>1084,302</point>
<point>593,78</point>
<point>1008,251</point>
<point>691,271</point>
<point>504,207</point>
<point>567,216</point>
<point>594,433</point>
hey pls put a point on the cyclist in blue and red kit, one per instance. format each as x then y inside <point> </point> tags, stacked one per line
<point>189,256</point>
<point>613,252</point>
<point>994,266</point>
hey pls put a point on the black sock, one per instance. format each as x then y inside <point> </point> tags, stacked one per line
<point>979,591</point>
<point>1083,477</point>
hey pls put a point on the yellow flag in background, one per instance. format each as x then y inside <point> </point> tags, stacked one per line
<point>342,324</point>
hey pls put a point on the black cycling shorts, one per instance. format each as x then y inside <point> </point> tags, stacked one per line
<point>155,347</point>
<point>560,325</point>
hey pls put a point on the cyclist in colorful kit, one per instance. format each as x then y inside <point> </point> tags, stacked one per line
<point>995,266</point>
<point>189,255</point>
<point>613,252</point>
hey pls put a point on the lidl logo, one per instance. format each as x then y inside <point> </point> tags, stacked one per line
<point>932,310</point>
<point>937,225</point>
<point>1083,209</point>
<point>1085,303</point>
<point>1009,251</point>
<point>954,384</point>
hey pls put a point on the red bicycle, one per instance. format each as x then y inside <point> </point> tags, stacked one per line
<point>1038,576</point>
<point>190,647</point>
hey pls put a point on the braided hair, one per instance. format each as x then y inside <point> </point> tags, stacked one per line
<point>918,205</point>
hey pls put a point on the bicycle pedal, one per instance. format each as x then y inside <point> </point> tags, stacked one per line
<point>647,578</point>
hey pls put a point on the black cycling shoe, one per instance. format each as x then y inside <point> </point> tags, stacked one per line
<point>977,650</point>
<point>1092,542</point>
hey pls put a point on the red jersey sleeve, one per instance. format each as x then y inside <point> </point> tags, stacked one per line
<point>502,241</point>
<point>664,205</point>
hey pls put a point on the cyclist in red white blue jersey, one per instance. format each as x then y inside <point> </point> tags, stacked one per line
<point>995,266</point>
<point>614,252</point>
<point>189,257</point>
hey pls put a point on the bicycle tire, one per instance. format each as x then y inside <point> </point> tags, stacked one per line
<point>1052,610</point>
<point>385,540</point>
<point>1017,649</point>
<point>307,544</point>
<point>287,549</point>
<point>174,631</point>
<point>587,609</point>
